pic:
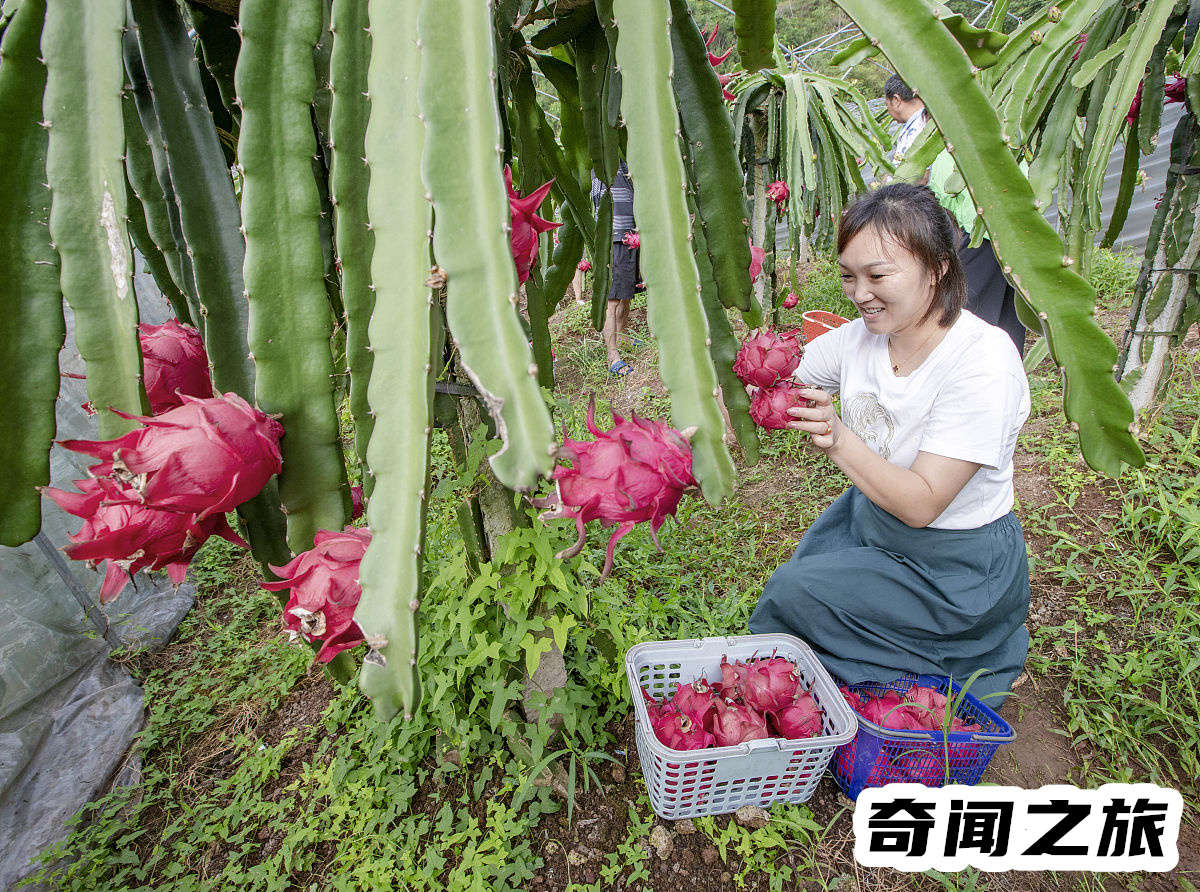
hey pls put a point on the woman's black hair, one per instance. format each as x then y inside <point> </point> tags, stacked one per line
<point>894,86</point>
<point>912,216</point>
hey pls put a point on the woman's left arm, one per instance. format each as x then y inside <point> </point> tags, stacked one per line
<point>915,495</point>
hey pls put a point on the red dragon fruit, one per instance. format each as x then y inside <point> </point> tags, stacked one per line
<point>1135,107</point>
<point>131,536</point>
<point>715,60</point>
<point>695,700</point>
<point>734,723</point>
<point>889,711</point>
<point>766,356</point>
<point>357,506</point>
<point>791,300</point>
<point>679,731</point>
<point>525,224</point>
<point>855,699</point>
<point>635,472</point>
<point>733,677</point>
<point>769,407</point>
<point>584,265</point>
<point>799,719</point>
<point>174,363</point>
<point>325,591</point>
<point>1175,89</point>
<point>778,192</point>
<point>632,239</point>
<point>206,456</point>
<point>769,684</point>
<point>757,256</point>
<point>726,94</point>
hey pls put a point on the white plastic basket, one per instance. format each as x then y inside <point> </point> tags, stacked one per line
<point>716,781</point>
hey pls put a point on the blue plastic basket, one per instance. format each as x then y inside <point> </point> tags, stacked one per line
<point>878,755</point>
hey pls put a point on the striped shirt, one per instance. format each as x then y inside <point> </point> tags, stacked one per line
<point>622,191</point>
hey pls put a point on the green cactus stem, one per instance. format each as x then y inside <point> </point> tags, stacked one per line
<point>754,23</point>
<point>349,177</point>
<point>721,206</point>
<point>289,324</point>
<point>406,342</point>
<point>461,168</point>
<point>209,217</point>
<point>150,219</point>
<point>675,310</point>
<point>30,300</point>
<point>81,45</point>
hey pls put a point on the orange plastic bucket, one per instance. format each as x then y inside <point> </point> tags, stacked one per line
<point>817,322</point>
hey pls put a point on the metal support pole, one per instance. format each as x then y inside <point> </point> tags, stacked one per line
<point>90,609</point>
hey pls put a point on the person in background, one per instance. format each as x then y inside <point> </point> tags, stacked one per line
<point>625,269</point>
<point>989,294</point>
<point>907,109</point>
<point>920,566</point>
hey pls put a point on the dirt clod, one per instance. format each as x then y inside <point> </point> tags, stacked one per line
<point>618,774</point>
<point>660,839</point>
<point>709,855</point>
<point>752,816</point>
<point>685,826</point>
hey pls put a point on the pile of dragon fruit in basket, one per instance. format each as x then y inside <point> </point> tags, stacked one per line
<point>767,697</point>
<point>752,701</point>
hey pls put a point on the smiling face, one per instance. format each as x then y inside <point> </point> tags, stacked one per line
<point>890,286</point>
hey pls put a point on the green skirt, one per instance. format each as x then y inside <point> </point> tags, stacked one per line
<point>876,598</point>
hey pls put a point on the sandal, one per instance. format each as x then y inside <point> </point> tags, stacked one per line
<point>619,369</point>
<point>635,340</point>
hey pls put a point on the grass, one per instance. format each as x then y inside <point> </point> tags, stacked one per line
<point>258,773</point>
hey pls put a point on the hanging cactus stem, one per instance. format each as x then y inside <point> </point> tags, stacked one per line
<point>33,329</point>
<point>675,311</point>
<point>81,45</point>
<point>289,320</point>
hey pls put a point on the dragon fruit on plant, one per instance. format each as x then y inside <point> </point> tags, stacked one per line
<point>791,300</point>
<point>131,536</point>
<point>726,94</point>
<point>769,407</point>
<point>635,472</point>
<point>174,363</point>
<point>525,224</point>
<point>325,590</point>
<point>632,239</point>
<point>715,60</point>
<point>204,457</point>
<point>778,192</point>
<point>757,256</point>
<point>584,265</point>
<point>767,356</point>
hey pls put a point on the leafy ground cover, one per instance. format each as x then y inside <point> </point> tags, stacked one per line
<point>257,773</point>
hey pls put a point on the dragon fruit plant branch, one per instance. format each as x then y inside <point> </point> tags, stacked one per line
<point>209,217</point>
<point>33,329</point>
<point>400,392</point>
<point>81,45</point>
<point>289,326</point>
<point>674,311</point>
<point>460,166</point>
<point>348,178</point>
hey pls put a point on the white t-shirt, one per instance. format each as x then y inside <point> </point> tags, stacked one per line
<point>967,400</point>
